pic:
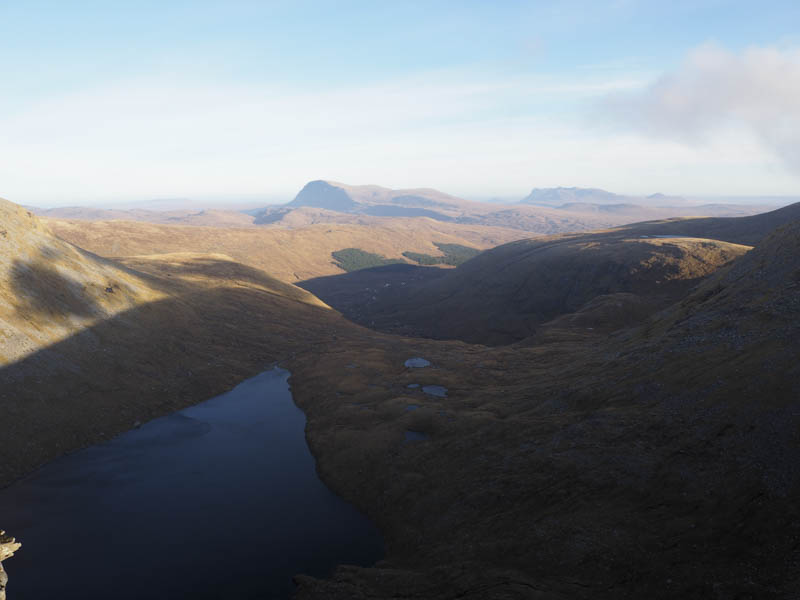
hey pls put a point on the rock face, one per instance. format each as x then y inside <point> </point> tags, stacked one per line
<point>8,545</point>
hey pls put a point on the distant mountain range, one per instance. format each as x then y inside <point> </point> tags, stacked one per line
<point>560,196</point>
<point>543,211</point>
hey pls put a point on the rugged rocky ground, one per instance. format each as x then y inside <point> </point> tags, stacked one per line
<point>656,461</point>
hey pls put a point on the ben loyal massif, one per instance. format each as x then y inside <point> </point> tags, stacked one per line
<point>399,300</point>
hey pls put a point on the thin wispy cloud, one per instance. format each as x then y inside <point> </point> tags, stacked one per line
<point>714,90</point>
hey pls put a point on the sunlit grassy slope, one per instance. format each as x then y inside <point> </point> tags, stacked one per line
<point>50,289</point>
<point>289,254</point>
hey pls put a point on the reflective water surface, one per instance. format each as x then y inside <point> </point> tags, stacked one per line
<point>220,500</point>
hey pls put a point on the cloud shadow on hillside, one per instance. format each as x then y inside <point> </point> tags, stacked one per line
<point>43,292</point>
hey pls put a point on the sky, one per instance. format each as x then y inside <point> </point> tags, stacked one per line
<point>243,102</point>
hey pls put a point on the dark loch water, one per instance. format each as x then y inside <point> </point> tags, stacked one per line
<point>220,500</point>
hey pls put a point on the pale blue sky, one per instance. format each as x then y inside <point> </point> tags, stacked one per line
<point>116,101</point>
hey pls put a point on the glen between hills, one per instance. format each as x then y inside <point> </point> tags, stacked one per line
<point>655,460</point>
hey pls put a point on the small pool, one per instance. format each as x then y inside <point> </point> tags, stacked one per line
<point>435,390</point>
<point>414,436</point>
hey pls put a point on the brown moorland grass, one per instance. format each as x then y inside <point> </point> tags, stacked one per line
<point>288,254</point>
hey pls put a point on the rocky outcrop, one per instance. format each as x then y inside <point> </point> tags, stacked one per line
<point>8,545</point>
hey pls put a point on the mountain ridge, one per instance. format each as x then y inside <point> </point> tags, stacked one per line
<point>565,195</point>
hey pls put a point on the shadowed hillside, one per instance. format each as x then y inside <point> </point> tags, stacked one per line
<point>659,463</point>
<point>505,294</point>
<point>553,286</point>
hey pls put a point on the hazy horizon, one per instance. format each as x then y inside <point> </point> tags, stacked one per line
<point>242,202</point>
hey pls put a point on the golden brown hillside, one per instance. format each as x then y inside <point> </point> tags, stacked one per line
<point>50,289</point>
<point>88,346</point>
<point>289,254</point>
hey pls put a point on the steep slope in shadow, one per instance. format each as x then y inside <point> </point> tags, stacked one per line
<point>748,308</point>
<point>354,294</point>
<point>507,293</point>
<point>563,285</point>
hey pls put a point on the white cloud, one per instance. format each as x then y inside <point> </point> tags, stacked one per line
<point>463,133</point>
<point>715,90</point>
